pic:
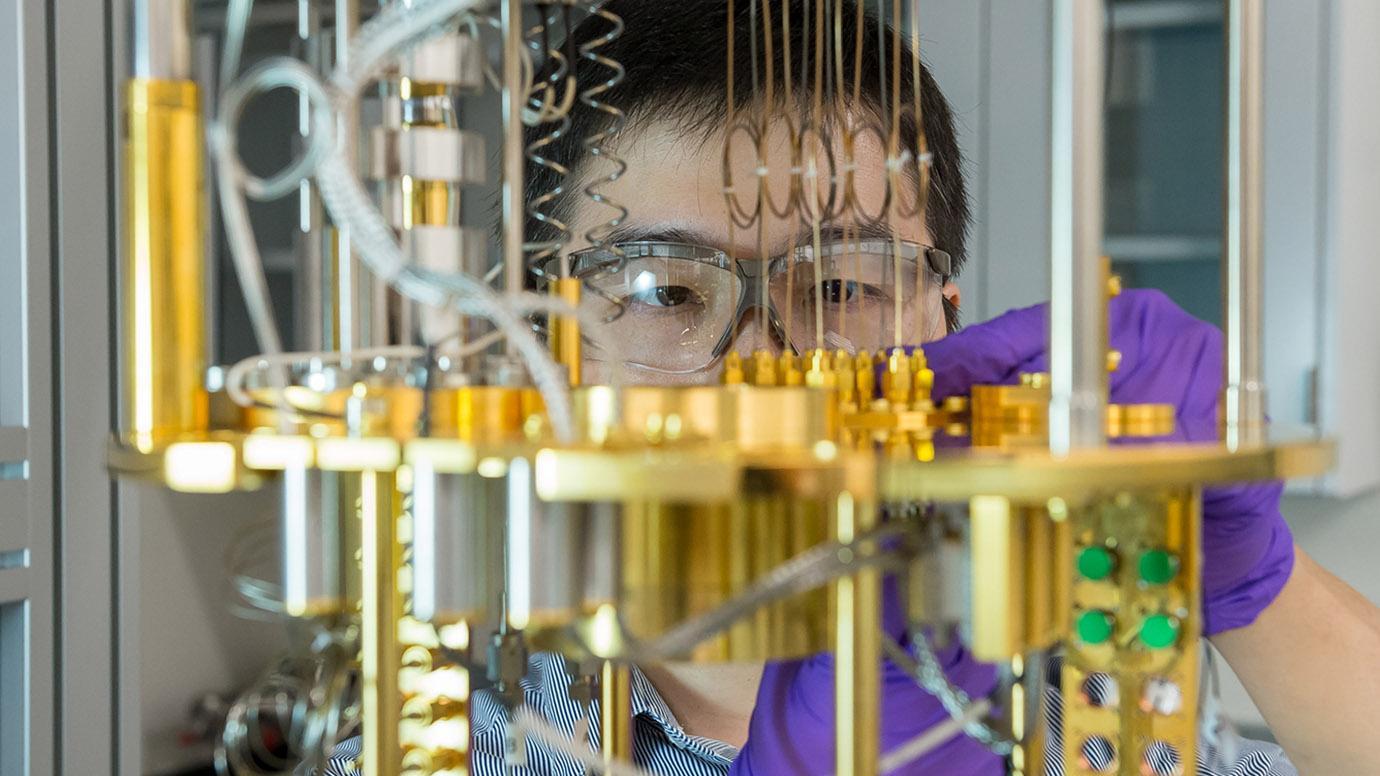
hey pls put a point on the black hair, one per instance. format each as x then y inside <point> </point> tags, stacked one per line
<point>674,54</point>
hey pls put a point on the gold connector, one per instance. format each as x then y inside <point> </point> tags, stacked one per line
<point>565,329</point>
<point>615,712</point>
<point>733,373</point>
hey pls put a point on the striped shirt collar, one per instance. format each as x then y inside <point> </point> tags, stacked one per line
<point>648,704</point>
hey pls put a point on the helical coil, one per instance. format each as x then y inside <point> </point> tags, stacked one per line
<point>598,145</point>
<point>549,101</point>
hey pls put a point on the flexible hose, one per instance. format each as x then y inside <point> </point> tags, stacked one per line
<point>378,41</point>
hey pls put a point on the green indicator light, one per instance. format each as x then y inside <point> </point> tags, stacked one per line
<point>1158,567</point>
<point>1095,563</point>
<point>1159,631</point>
<point>1095,627</point>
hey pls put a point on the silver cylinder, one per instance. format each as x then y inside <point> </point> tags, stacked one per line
<point>162,39</point>
<point>314,542</point>
<point>559,556</point>
<point>457,544</point>
<point>1077,306</point>
<point>1243,287</point>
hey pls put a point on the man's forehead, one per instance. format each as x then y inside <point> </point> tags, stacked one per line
<point>674,190</point>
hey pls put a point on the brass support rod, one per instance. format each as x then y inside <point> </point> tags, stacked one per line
<point>1242,269</point>
<point>857,646</point>
<point>1077,330</point>
<point>615,712</point>
<point>380,658</point>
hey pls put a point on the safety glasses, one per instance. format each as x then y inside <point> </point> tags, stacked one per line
<point>676,308</point>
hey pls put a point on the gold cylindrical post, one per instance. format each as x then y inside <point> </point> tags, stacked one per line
<point>380,658</point>
<point>997,578</point>
<point>164,292</point>
<point>857,676</point>
<point>615,712</point>
<point>565,329</point>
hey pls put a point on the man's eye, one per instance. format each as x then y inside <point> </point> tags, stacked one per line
<point>839,291</point>
<point>663,296</point>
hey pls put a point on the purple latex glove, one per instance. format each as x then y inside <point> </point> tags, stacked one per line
<point>792,726</point>
<point>1167,357</point>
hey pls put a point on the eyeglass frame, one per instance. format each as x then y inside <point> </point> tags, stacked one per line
<point>588,263</point>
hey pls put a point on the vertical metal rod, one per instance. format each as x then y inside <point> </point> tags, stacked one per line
<point>857,647</point>
<point>513,89</point>
<point>1242,270</point>
<point>1077,326</point>
<point>310,290</point>
<point>162,39</point>
<point>350,282</point>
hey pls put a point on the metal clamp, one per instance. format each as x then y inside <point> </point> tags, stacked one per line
<point>451,60</point>
<point>428,153</point>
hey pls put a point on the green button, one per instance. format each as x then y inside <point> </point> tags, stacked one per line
<point>1095,563</point>
<point>1095,627</point>
<point>1159,631</point>
<point>1158,567</point>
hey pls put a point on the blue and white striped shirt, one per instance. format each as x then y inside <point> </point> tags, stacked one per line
<point>661,745</point>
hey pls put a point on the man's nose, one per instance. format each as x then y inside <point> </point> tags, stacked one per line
<point>754,333</point>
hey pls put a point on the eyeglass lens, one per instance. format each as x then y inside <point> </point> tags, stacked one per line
<point>669,314</point>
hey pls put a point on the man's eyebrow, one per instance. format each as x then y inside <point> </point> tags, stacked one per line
<point>656,233</point>
<point>836,232</point>
<point>828,232</point>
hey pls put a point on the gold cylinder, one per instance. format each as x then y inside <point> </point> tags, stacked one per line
<point>163,282</point>
<point>565,329</point>
<point>615,712</point>
<point>857,676</point>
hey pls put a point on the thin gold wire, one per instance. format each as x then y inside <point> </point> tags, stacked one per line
<point>893,177</point>
<point>817,210</point>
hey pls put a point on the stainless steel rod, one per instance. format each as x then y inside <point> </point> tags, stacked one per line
<point>513,90</point>
<point>1077,320</point>
<point>162,39</point>
<point>1242,270</point>
<point>351,284</point>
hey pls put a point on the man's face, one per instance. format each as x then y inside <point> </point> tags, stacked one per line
<point>674,192</point>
